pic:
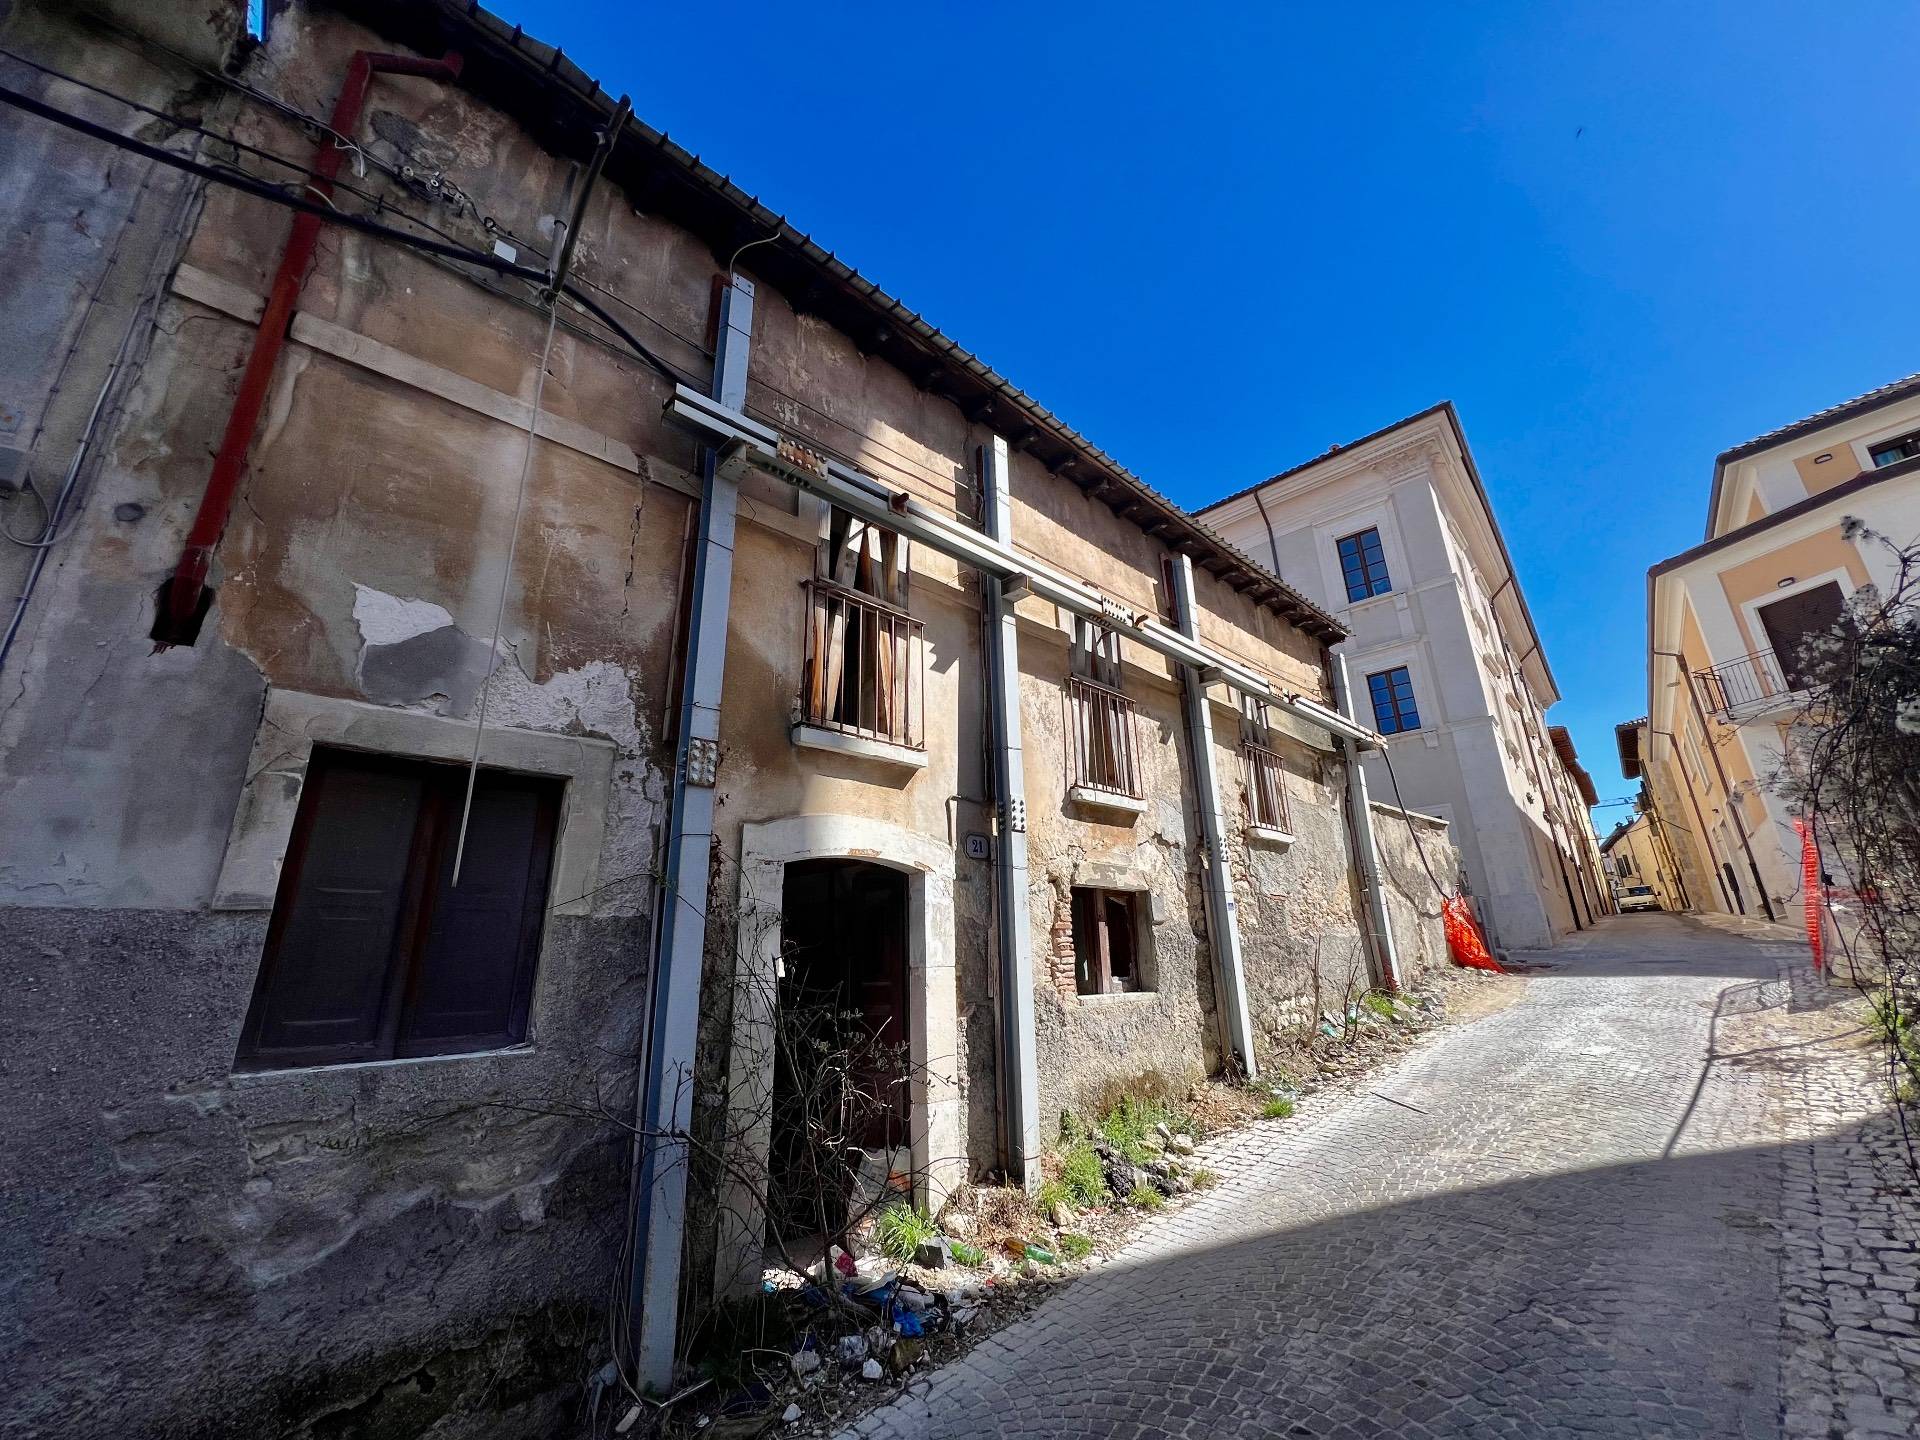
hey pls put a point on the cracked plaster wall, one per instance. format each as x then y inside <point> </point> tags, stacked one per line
<point>352,1250</point>
<point>326,1252</point>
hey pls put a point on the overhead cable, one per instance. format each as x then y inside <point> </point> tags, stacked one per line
<point>264,190</point>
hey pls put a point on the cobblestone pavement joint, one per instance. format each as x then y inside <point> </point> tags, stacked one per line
<point>1661,1195</point>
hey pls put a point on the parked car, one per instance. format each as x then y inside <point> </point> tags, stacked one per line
<point>1636,897</point>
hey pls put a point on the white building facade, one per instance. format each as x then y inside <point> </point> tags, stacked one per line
<point>1394,536</point>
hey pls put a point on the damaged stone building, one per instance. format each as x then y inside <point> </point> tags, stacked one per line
<point>498,609</point>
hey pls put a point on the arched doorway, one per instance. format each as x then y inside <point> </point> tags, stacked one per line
<point>934,1144</point>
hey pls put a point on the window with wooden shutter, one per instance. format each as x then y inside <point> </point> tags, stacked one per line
<point>373,952</point>
<point>1263,775</point>
<point>864,651</point>
<point>1100,717</point>
<point>1798,627</point>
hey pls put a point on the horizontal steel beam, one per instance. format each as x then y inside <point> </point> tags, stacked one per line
<point>860,494</point>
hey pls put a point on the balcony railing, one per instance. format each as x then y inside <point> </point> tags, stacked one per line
<point>1100,734</point>
<point>1266,786</point>
<point>1743,686</point>
<point>864,668</point>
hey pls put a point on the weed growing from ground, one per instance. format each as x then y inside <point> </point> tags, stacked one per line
<point>1127,1125</point>
<point>1145,1197</point>
<point>1277,1109</point>
<point>900,1230</point>
<point>1076,1247</point>
<point>1080,1173</point>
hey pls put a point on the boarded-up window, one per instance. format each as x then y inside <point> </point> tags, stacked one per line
<point>372,952</point>
<point>864,651</point>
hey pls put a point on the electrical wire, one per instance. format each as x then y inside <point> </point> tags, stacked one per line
<point>380,202</point>
<point>506,584</point>
<point>264,190</point>
<point>1418,848</point>
<point>46,536</point>
<point>191,127</point>
<point>143,313</point>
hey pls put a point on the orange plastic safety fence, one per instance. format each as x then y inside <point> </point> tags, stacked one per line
<point>1810,884</point>
<point>1464,938</point>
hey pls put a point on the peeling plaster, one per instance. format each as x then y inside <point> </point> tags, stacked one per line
<point>598,699</point>
<point>388,619</point>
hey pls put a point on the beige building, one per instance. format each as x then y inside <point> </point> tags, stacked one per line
<point>1727,625</point>
<point>504,642</point>
<point>1395,536</point>
<point>1635,854</point>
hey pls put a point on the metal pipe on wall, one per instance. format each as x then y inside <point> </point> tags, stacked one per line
<point>1020,1072</point>
<point>1366,847</point>
<point>666,1086</point>
<point>1699,819</point>
<point>861,495</point>
<point>1223,916</point>
<point>186,597</point>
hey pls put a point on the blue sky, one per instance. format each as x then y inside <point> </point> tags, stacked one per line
<point>1218,239</point>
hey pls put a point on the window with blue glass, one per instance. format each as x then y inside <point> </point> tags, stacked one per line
<point>1393,707</point>
<point>1363,564</point>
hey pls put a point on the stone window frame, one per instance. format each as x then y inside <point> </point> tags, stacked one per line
<point>1098,898</point>
<point>1149,906</point>
<point>292,722</point>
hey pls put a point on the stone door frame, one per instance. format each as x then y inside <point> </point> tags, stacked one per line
<point>939,1161</point>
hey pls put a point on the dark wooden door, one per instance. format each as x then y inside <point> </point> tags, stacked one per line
<point>1791,621</point>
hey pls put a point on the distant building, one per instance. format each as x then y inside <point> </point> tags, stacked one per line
<point>1635,855</point>
<point>1727,624</point>
<point>1395,537</point>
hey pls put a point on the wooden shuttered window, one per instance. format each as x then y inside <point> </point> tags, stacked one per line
<point>372,952</point>
<point>864,650</point>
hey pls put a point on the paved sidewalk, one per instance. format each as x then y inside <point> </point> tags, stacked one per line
<point>1650,1199</point>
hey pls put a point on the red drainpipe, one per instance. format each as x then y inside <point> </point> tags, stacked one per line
<point>186,597</point>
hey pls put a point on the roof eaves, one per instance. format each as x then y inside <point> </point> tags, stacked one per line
<point>1833,415</point>
<point>546,66</point>
<point>1626,740</point>
<point>1327,454</point>
<point>1443,407</point>
<point>1866,479</point>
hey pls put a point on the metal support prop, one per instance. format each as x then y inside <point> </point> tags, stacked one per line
<point>1020,1076</point>
<point>1223,913</point>
<point>1386,954</point>
<point>861,495</point>
<point>666,1096</point>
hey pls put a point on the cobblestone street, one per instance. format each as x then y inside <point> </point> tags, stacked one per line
<point>1657,1196</point>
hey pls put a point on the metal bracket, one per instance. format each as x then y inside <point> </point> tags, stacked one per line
<point>703,763</point>
<point>1013,815</point>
